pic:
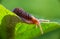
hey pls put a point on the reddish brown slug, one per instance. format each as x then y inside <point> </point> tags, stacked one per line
<point>27,17</point>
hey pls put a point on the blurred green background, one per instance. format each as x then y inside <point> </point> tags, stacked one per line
<point>46,9</point>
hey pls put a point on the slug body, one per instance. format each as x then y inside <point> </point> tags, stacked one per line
<point>26,17</point>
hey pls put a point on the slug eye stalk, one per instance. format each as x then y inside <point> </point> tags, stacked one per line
<point>42,20</point>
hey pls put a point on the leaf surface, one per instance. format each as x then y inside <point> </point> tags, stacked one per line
<point>11,26</point>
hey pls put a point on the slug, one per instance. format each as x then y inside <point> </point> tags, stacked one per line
<point>27,18</point>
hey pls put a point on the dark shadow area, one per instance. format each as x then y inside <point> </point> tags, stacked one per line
<point>50,35</point>
<point>0,34</point>
<point>8,24</point>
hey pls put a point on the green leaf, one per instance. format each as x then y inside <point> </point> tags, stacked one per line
<point>11,26</point>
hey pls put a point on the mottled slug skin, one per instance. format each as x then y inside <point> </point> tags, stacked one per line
<point>25,16</point>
